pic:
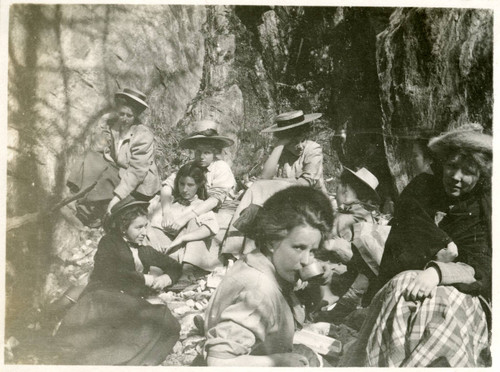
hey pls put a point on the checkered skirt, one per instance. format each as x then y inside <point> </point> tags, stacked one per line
<point>449,326</point>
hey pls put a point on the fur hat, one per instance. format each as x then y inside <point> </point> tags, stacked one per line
<point>206,131</point>
<point>469,137</point>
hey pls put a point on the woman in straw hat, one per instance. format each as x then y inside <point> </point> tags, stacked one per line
<point>207,145</point>
<point>121,162</point>
<point>442,235</point>
<point>112,323</point>
<point>295,157</point>
<point>295,160</point>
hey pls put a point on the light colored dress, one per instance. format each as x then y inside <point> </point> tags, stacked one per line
<point>220,181</point>
<point>308,165</point>
<point>250,312</point>
<point>201,253</point>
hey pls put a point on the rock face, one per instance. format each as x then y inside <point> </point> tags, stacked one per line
<point>435,69</point>
<point>65,64</point>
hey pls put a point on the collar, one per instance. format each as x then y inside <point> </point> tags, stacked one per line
<point>128,134</point>
<point>259,261</point>
<point>211,166</point>
<point>186,202</point>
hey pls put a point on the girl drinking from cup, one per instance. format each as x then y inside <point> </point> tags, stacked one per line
<point>250,319</point>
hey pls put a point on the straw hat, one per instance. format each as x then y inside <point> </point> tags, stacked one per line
<point>367,178</point>
<point>120,207</point>
<point>206,131</point>
<point>291,119</point>
<point>135,97</point>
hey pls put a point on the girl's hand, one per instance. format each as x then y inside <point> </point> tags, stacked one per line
<point>176,242</point>
<point>423,285</point>
<point>283,141</point>
<point>161,282</point>
<point>112,203</point>
<point>290,360</point>
<point>447,254</point>
<point>168,225</point>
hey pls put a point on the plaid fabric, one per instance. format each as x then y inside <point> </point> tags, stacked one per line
<point>451,325</point>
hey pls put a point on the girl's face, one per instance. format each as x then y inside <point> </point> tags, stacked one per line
<point>187,187</point>
<point>136,231</point>
<point>458,179</point>
<point>125,115</point>
<point>204,155</point>
<point>295,251</point>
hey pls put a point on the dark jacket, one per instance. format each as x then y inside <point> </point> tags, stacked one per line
<point>415,236</point>
<point>114,267</point>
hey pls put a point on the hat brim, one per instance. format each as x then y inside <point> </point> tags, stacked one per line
<point>135,99</point>
<point>372,190</point>
<point>193,141</point>
<point>468,140</point>
<point>124,207</point>
<point>307,119</point>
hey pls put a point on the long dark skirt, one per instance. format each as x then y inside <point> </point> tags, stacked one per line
<point>114,328</point>
<point>94,168</point>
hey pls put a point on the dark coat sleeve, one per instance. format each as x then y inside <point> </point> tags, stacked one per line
<point>414,238</point>
<point>114,266</point>
<point>151,257</point>
<point>479,258</point>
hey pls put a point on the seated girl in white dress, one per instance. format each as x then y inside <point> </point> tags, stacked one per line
<point>191,245</point>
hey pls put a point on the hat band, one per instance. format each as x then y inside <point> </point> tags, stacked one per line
<point>206,133</point>
<point>135,93</point>
<point>285,123</point>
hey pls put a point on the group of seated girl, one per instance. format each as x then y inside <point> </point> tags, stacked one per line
<point>183,208</point>
<point>441,233</point>
<point>432,288</point>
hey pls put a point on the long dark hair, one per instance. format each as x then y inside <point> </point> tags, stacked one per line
<point>289,208</point>
<point>197,173</point>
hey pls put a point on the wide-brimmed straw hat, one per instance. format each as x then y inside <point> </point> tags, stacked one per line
<point>469,137</point>
<point>366,178</point>
<point>135,97</point>
<point>206,132</point>
<point>289,120</point>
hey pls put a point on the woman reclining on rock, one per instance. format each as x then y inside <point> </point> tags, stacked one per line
<point>121,162</point>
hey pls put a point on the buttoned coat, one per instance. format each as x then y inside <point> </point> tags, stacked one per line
<point>135,159</point>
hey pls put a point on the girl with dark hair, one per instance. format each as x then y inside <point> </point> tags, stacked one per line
<point>207,145</point>
<point>250,320</point>
<point>112,323</point>
<point>434,306</point>
<point>191,245</point>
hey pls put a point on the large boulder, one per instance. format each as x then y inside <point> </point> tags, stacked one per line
<point>435,70</point>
